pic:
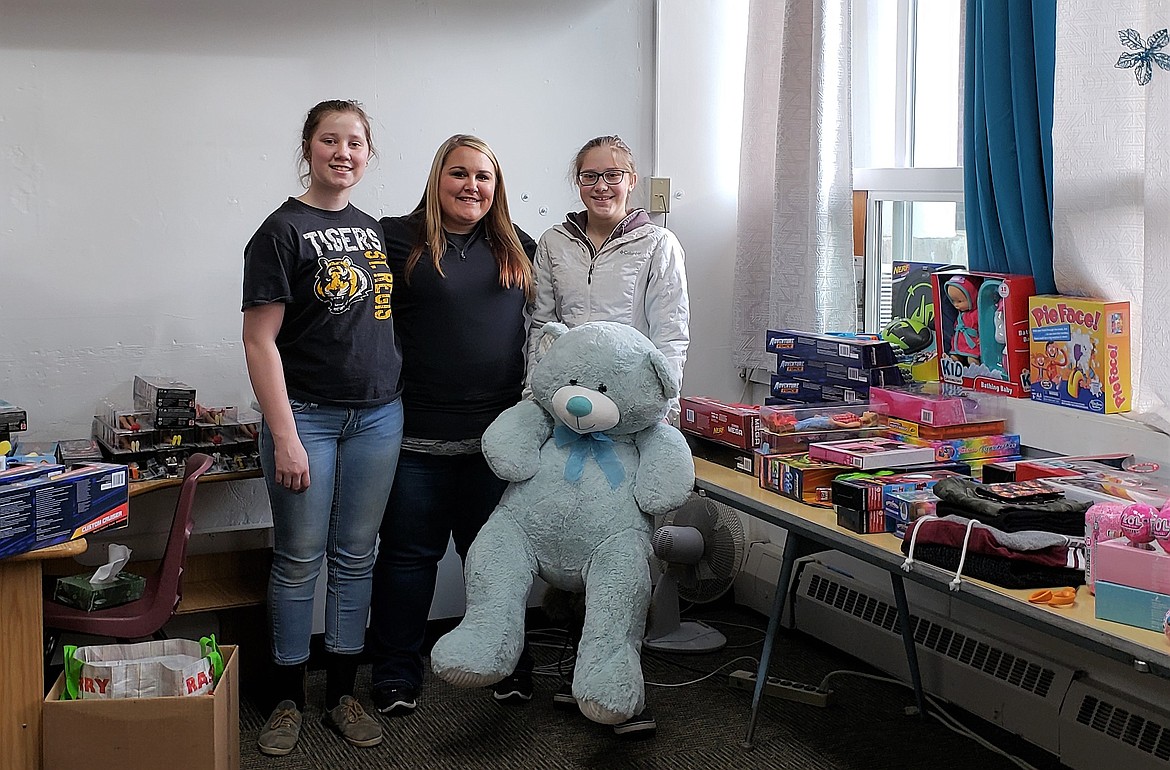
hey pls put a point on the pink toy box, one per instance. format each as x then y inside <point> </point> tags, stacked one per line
<point>981,325</point>
<point>1080,353</point>
<point>929,404</point>
<point>1118,561</point>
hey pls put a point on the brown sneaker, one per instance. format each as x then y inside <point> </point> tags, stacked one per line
<point>353,724</point>
<point>279,734</point>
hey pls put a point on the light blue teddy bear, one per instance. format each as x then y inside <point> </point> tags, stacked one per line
<point>590,460</point>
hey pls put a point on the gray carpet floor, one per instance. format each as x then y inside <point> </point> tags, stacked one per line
<point>701,725</point>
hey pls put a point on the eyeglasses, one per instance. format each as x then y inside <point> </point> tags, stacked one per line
<point>612,176</point>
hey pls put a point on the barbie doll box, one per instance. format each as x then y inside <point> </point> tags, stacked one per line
<point>981,325</point>
<point>1080,353</point>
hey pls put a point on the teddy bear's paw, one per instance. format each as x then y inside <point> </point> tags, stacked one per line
<point>595,712</point>
<point>461,678</point>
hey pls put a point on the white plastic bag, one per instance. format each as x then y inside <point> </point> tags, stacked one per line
<point>157,669</point>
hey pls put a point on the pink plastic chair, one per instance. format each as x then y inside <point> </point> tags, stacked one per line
<point>164,589</point>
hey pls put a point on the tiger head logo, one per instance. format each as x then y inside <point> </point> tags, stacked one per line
<point>340,283</point>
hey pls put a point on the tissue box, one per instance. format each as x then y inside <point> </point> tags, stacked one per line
<point>77,591</point>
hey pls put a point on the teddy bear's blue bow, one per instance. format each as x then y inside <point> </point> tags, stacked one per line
<point>581,444</point>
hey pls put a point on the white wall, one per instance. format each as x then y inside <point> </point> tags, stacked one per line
<point>142,143</point>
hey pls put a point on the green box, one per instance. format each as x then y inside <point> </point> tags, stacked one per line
<point>77,591</point>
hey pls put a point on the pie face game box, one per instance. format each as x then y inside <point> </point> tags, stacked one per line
<point>1079,351</point>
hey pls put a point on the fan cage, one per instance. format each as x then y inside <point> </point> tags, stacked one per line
<point>723,552</point>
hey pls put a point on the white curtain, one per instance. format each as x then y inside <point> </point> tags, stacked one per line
<point>1111,186</point>
<point>794,244</point>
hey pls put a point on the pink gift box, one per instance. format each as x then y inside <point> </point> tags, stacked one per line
<point>921,407</point>
<point>1116,561</point>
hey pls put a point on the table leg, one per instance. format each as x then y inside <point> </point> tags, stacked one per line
<point>22,686</point>
<point>790,550</point>
<point>908,640</point>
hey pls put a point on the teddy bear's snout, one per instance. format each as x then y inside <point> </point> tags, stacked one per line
<point>579,406</point>
<point>584,410</point>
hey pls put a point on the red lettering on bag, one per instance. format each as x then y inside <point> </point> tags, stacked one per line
<point>90,684</point>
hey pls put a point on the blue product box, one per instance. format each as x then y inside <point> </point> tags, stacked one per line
<point>802,391</point>
<point>858,351</point>
<point>836,372</point>
<point>55,508</point>
<point>16,471</point>
<point>906,506</point>
<point>1131,606</point>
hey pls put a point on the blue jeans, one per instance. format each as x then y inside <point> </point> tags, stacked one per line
<point>352,457</point>
<point>435,498</point>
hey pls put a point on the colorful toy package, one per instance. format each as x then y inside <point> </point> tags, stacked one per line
<point>981,328</point>
<point>1079,353</point>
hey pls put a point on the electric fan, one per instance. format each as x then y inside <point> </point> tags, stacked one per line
<point>700,549</point>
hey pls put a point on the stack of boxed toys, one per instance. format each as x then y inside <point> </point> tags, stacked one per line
<point>166,424</point>
<point>1130,572</point>
<point>12,420</point>
<point>827,368</point>
<point>46,503</point>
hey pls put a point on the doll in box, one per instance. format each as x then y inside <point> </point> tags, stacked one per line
<point>961,291</point>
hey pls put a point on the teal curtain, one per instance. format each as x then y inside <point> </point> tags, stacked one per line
<point>1007,137</point>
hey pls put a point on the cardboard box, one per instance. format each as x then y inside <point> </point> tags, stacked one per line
<point>13,419</point>
<point>1080,353</point>
<point>971,351</point>
<point>867,493</point>
<point>861,522</point>
<point>56,508</point>
<point>788,390</point>
<point>798,477</point>
<point>972,448</point>
<point>906,506</point>
<point>855,351</point>
<point>1131,606</point>
<point>921,404</point>
<point>871,452</point>
<point>742,460</point>
<point>1118,561</point>
<point>737,425</point>
<point>200,732</point>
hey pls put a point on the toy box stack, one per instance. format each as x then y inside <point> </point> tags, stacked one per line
<point>1080,353</point>
<point>821,368</point>
<point>166,424</point>
<point>957,424</point>
<point>12,420</point>
<point>722,433</point>
<point>1131,574</point>
<point>859,499</point>
<point>981,324</point>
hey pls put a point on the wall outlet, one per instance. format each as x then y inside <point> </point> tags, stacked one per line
<point>659,195</point>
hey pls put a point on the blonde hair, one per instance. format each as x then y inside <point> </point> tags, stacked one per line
<point>513,263</point>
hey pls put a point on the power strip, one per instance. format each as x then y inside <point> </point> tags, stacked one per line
<point>782,688</point>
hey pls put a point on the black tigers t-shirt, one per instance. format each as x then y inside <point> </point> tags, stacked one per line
<point>328,268</point>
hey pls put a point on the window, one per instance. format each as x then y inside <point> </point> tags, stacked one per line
<point>907,139</point>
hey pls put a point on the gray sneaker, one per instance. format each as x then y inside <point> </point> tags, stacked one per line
<point>353,724</point>
<point>279,734</point>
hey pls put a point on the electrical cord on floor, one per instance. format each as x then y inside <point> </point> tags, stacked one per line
<point>705,675</point>
<point>938,713</point>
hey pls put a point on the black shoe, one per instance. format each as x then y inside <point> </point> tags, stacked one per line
<point>397,700</point>
<point>516,688</point>
<point>637,727</point>
<point>563,697</point>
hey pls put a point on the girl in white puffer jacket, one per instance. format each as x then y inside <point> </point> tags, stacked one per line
<point>608,263</point>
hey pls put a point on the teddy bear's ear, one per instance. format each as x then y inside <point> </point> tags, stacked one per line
<point>666,374</point>
<point>552,330</point>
